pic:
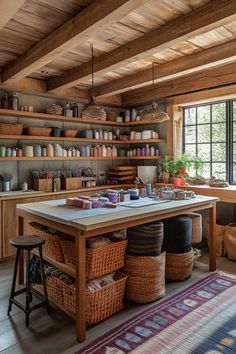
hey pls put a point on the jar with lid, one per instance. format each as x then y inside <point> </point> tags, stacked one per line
<point>110,135</point>
<point>96,134</point>
<point>13,101</point>
<point>4,101</point>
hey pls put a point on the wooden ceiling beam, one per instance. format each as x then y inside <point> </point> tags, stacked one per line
<point>99,14</point>
<point>205,79</point>
<point>205,18</point>
<point>8,10</point>
<point>218,55</point>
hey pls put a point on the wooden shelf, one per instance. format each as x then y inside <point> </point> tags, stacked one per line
<point>57,118</point>
<point>62,266</point>
<point>39,288</point>
<point>79,140</point>
<point>79,158</point>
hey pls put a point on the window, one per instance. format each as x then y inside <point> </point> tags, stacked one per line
<point>206,133</point>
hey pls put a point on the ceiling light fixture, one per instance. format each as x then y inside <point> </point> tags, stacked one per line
<point>93,110</point>
<point>155,113</point>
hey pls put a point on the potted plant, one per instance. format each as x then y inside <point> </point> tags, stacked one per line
<point>197,163</point>
<point>169,168</point>
<point>183,163</point>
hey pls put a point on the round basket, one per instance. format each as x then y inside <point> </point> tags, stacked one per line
<point>146,278</point>
<point>179,266</point>
<point>39,131</point>
<point>70,133</point>
<point>11,129</point>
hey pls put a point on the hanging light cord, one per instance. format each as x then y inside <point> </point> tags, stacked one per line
<point>153,77</point>
<point>91,47</point>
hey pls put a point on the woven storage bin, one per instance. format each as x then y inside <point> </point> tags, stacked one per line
<point>179,266</point>
<point>70,133</point>
<point>230,243</point>
<point>146,277</point>
<point>55,289</point>
<point>39,131</point>
<point>220,233</point>
<point>11,129</point>
<point>101,303</point>
<point>52,247</point>
<point>99,261</point>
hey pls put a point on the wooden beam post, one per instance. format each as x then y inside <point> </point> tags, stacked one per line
<point>205,18</point>
<point>96,15</point>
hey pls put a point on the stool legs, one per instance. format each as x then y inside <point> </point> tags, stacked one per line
<point>44,280</point>
<point>28,293</point>
<point>13,286</point>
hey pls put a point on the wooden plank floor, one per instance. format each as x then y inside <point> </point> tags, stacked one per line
<point>56,333</point>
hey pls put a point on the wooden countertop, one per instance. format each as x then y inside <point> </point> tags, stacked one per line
<point>95,219</point>
<point>81,190</point>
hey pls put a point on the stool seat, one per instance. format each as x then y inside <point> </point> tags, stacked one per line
<point>27,242</point>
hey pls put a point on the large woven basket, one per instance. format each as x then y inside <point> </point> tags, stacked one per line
<point>70,133</point>
<point>101,303</point>
<point>52,247</point>
<point>11,129</point>
<point>39,131</point>
<point>99,261</point>
<point>146,277</point>
<point>55,289</point>
<point>179,266</point>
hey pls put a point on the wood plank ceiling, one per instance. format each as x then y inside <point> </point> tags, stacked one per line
<point>48,43</point>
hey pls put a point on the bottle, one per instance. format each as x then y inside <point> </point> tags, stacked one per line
<point>13,101</point>
<point>4,101</point>
<point>133,115</point>
<point>147,150</point>
<point>104,151</point>
<point>54,185</point>
<point>67,110</point>
<point>148,188</point>
<point>127,115</point>
<point>105,135</point>
<point>96,135</point>
<point>75,110</point>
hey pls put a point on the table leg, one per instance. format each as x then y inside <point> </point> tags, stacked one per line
<point>20,274</point>
<point>80,252</point>
<point>212,238</point>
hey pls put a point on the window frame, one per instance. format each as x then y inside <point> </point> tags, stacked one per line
<point>229,107</point>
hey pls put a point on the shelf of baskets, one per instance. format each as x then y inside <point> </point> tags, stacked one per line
<point>79,158</point>
<point>57,118</point>
<point>79,140</point>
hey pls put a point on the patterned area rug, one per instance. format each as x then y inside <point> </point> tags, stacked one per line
<point>199,319</point>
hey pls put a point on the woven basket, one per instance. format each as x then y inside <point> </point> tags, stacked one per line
<point>101,303</point>
<point>11,129</point>
<point>99,261</point>
<point>146,278</point>
<point>39,131</point>
<point>70,133</point>
<point>179,266</point>
<point>52,247</point>
<point>55,289</point>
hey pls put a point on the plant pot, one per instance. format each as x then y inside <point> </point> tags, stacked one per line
<point>179,181</point>
<point>182,171</point>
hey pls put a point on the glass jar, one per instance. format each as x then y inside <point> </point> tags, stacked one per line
<point>13,101</point>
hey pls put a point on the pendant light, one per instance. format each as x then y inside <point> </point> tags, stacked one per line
<point>93,110</point>
<point>155,113</point>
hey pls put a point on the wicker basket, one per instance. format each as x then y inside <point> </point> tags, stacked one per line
<point>99,261</point>
<point>101,303</point>
<point>11,129</point>
<point>179,266</point>
<point>70,133</point>
<point>39,131</point>
<point>146,277</point>
<point>52,247</point>
<point>55,289</point>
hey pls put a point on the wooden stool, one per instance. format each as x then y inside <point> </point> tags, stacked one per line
<point>28,243</point>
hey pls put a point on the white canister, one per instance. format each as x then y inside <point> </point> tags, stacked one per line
<point>146,134</point>
<point>24,186</point>
<point>138,136</point>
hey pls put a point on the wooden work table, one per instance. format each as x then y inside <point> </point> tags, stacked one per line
<point>226,194</point>
<point>48,214</point>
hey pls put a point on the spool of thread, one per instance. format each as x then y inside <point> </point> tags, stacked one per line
<point>103,200</point>
<point>87,204</point>
<point>113,197</point>
<point>96,204</point>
